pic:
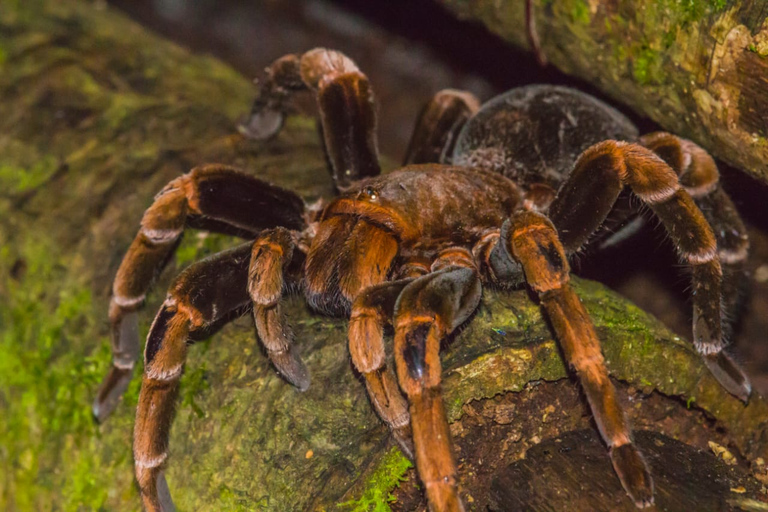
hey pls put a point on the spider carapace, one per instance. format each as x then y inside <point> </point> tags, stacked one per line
<point>498,195</point>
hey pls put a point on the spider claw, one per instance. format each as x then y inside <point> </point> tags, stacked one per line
<point>155,494</point>
<point>729,375</point>
<point>111,390</point>
<point>404,438</point>
<point>633,472</point>
<point>262,123</point>
<point>125,351</point>
<point>164,494</point>
<point>292,368</point>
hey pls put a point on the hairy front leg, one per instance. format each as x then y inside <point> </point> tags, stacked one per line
<point>532,240</point>
<point>201,296</point>
<point>216,193</point>
<point>346,103</point>
<point>428,310</point>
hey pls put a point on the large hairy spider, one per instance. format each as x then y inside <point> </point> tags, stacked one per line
<point>498,195</point>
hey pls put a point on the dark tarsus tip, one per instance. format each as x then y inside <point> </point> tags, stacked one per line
<point>112,388</point>
<point>633,473</point>
<point>729,375</point>
<point>506,269</point>
<point>553,258</point>
<point>404,438</point>
<point>125,343</point>
<point>415,349</point>
<point>164,494</point>
<point>292,368</point>
<point>262,123</point>
<point>157,333</point>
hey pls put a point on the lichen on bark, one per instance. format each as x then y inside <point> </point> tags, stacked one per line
<point>95,116</point>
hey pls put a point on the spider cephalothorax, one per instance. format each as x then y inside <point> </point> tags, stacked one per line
<point>491,196</point>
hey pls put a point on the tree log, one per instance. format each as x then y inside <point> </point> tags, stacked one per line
<point>95,116</point>
<point>699,69</point>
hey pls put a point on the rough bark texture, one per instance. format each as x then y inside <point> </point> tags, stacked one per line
<point>95,116</point>
<point>698,68</point>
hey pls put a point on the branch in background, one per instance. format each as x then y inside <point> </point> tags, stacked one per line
<point>699,69</point>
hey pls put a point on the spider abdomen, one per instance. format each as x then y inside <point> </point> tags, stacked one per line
<point>534,134</point>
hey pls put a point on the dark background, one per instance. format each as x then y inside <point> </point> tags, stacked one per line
<point>412,48</point>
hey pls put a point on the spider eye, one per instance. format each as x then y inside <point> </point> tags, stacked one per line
<point>370,193</point>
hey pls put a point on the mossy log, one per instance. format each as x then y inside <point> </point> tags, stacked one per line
<point>95,116</point>
<point>698,68</point>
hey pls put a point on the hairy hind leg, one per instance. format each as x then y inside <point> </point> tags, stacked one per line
<point>586,198</point>
<point>438,125</point>
<point>700,177</point>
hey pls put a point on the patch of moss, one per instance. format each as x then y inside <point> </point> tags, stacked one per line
<point>691,11</point>
<point>197,245</point>
<point>761,51</point>
<point>580,12</point>
<point>17,180</point>
<point>647,66</point>
<point>389,473</point>
<point>193,383</point>
<point>125,106</point>
<point>47,432</point>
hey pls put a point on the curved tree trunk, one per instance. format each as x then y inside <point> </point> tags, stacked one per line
<point>95,116</point>
<point>699,69</point>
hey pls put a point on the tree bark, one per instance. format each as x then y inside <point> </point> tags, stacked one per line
<point>95,116</point>
<point>699,69</point>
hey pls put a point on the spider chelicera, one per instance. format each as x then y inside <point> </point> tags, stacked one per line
<point>493,195</point>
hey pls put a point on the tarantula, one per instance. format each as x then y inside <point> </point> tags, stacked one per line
<point>492,195</point>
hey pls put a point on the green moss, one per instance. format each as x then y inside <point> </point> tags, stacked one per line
<point>761,51</point>
<point>125,106</point>
<point>234,500</point>
<point>388,475</point>
<point>197,245</point>
<point>580,12</point>
<point>691,11</point>
<point>646,66</point>
<point>193,383</point>
<point>16,180</point>
<point>48,430</point>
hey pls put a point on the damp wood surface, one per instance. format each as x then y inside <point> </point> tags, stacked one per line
<point>96,115</point>
<point>552,477</point>
<point>699,69</point>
